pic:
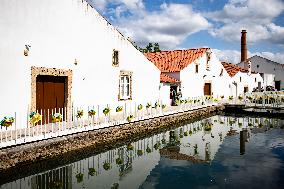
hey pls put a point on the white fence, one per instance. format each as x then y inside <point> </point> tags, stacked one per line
<point>71,123</point>
<point>265,99</point>
<point>79,119</point>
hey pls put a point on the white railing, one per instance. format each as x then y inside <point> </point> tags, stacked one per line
<point>71,123</point>
<point>273,99</point>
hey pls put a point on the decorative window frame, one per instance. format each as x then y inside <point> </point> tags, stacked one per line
<point>129,74</point>
<point>115,58</point>
<point>35,71</point>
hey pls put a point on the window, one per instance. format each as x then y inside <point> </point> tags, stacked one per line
<point>115,59</point>
<point>254,79</point>
<point>196,68</point>
<point>257,66</point>
<point>240,79</point>
<point>125,85</point>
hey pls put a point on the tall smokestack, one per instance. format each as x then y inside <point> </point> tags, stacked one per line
<point>244,46</point>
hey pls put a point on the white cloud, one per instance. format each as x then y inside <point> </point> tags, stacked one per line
<point>256,16</point>
<point>234,56</point>
<point>230,56</point>
<point>120,5</point>
<point>277,57</point>
<point>168,26</point>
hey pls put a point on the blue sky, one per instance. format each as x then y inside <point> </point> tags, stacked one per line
<point>183,24</point>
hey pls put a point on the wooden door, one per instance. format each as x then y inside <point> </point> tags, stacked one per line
<point>50,96</point>
<point>207,89</point>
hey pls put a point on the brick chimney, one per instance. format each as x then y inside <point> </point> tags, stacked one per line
<point>244,46</point>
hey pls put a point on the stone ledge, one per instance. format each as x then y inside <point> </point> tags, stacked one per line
<point>35,157</point>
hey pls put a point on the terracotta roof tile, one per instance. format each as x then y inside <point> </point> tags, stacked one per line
<point>233,69</point>
<point>164,78</point>
<point>174,61</point>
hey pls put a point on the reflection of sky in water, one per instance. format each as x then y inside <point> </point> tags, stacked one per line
<point>260,166</point>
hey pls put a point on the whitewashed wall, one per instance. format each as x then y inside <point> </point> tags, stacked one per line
<point>60,31</point>
<point>250,81</point>
<point>271,70</point>
<point>193,83</point>
<point>165,93</point>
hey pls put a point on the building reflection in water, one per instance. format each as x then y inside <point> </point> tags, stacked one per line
<point>244,137</point>
<point>58,178</point>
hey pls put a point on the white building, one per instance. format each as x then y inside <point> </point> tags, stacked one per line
<point>197,72</point>
<point>55,53</point>
<point>271,72</point>
<point>243,80</point>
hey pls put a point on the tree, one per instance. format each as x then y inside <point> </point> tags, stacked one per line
<point>157,47</point>
<point>149,47</point>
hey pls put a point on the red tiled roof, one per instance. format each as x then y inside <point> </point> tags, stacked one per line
<point>233,69</point>
<point>168,79</point>
<point>174,61</point>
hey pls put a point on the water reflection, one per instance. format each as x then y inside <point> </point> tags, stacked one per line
<point>132,165</point>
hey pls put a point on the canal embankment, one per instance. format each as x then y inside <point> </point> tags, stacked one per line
<point>27,159</point>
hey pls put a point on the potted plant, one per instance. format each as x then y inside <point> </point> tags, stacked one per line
<point>208,127</point>
<point>190,132</point>
<point>140,107</point>
<point>157,145</point>
<point>118,109</point>
<point>57,117</point>
<point>163,106</point>
<point>163,141</point>
<point>185,133</point>
<point>222,97</point>
<point>80,177</point>
<point>148,105</point>
<point>130,118</point>
<point>119,161</point>
<point>157,105</point>
<point>35,117</point>
<point>106,111</point>
<point>92,171</point>
<point>106,166</point>
<point>80,114</point>
<point>91,113</point>
<point>139,152</point>
<point>148,150</point>
<point>249,98</point>
<point>231,98</point>
<point>240,98</point>
<point>57,184</point>
<point>130,146</point>
<point>7,121</point>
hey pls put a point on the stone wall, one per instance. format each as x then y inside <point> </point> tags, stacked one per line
<point>36,157</point>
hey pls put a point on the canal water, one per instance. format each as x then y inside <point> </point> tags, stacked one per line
<point>217,152</point>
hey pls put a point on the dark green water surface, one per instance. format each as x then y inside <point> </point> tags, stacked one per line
<point>218,152</point>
